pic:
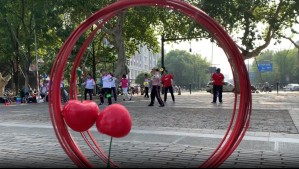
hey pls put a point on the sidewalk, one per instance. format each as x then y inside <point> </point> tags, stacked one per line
<point>182,134</point>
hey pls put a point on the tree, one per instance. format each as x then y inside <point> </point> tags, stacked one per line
<point>21,22</point>
<point>187,68</point>
<point>54,20</point>
<point>253,23</point>
<point>3,83</point>
<point>284,67</point>
<point>140,78</point>
<point>125,32</point>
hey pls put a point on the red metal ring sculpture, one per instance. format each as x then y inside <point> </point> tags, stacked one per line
<point>240,118</point>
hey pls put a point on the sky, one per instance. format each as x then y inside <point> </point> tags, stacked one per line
<point>216,55</point>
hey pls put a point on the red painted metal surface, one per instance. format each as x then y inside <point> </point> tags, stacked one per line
<point>241,115</point>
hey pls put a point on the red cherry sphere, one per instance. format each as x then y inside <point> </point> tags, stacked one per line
<point>80,116</point>
<point>114,121</point>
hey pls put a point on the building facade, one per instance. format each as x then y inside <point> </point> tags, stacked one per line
<point>143,61</point>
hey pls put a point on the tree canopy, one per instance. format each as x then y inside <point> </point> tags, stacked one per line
<point>285,67</point>
<point>187,68</point>
<point>252,24</point>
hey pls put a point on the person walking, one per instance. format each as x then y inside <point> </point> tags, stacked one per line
<point>218,80</point>
<point>113,87</point>
<point>124,85</point>
<point>44,90</point>
<point>167,80</point>
<point>155,93</point>
<point>146,85</point>
<point>63,92</point>
<point>106,89</point>
<point>89,85</point>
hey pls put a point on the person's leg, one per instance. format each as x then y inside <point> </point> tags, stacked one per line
<point>90,94</point>
<point>158,96</point>
<point>102,94</point>
<point>125,93</point>
<point>114,93</point>
<point>42,95</point>
<point>146,92</point>
<point>153,95</point>
<point>165,93</point>
<point>171,92</point>
<point>214,93</point>
<point>220,93</point>
<point>63,96</point>
<point>85,94</point>
<point>109,98</point>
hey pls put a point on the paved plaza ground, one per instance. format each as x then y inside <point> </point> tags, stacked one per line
<point>181,134</point>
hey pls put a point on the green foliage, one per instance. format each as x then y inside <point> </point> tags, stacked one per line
<point>253,24</point>
<point>187,68</point>
<point>285,67</point>
<point>54,20</point>
<point>140,77</point>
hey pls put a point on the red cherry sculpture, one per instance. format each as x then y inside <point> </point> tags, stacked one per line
<point>114,121</point>
<point>80,116</point>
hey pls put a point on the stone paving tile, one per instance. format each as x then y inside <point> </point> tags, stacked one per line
<point>38,147</point>
<point>264,120</point>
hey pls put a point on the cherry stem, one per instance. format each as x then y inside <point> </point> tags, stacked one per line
<point>110,147</point>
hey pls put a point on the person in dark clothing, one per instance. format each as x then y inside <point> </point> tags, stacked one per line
<point>155,93</point>
<point>167,80</point>
<point>146,85</point>
<point>218,80</point>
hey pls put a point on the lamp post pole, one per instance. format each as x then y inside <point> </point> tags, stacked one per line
<point>162,52</point>
<point>36,58</point>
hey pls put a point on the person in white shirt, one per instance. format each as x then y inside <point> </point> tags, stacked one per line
<point>106,89</point>
<point>156,82</point>
<point>89,86</point>
<point>63,91</point>
<point>113,87</point>
<point>44,89</point>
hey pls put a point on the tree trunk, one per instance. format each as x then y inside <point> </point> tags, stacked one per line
<point>121,68</point>
<point>26,76</point>
<point>236,77</point>
<point>3,83</point>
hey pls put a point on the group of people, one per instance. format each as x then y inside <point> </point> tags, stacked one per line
<point>155,83</point>
<point>108,85</point>
<point>167,82</point>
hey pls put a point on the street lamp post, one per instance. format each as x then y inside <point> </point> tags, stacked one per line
<point>162,52</point>
<point>37,74</point>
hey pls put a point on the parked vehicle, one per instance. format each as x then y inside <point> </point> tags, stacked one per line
<point>227,87</point>
<point>266,87</point>
<point>291,87</point>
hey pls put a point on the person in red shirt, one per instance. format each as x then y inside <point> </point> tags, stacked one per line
<point>125,85</point>
<point>167,80</point>
<point>218,80</point>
